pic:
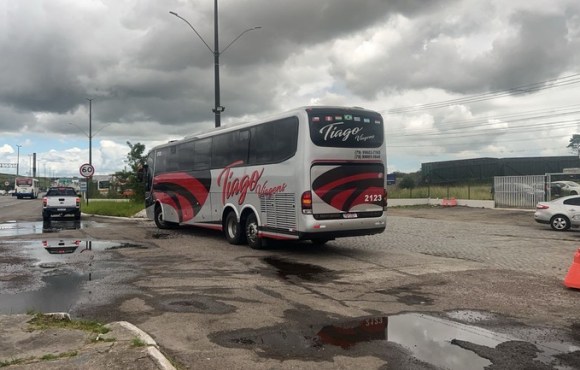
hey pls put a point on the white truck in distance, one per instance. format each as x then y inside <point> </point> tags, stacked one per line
<point>62,200</point>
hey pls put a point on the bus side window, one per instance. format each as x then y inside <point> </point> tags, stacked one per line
<point>274,141</point>
<point>241,146</point>
<point>186,156</point>
<point>202,154</point>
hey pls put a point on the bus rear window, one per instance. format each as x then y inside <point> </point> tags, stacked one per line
<point>343,128</point>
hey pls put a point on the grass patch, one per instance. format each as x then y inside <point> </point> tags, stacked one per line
<point>51,356</point>
<point>16,361</point>
<point>41,322</point>
<point>476,192</point>
<point>112,208</point>
<point>138,343</point>
<point>29,360</point>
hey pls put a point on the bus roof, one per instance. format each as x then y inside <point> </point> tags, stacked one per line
<point>234,126</point>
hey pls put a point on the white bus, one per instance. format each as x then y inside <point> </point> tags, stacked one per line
<point>314,173</point>
<point>26,187</point>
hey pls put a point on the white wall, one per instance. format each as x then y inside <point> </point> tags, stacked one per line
<point>438,202</point>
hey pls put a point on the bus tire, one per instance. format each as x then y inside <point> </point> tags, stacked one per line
<point>254,241</point>
<point>319,241</point>
<point>233,229</point>
<point>162,224</point>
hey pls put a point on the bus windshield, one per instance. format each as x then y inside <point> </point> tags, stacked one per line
<point>23,182</point>
<point>343,128</point>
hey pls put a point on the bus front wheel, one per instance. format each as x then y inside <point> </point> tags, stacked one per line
<point>254,241</point>
<point>232,229</point>
<point>160,222</point>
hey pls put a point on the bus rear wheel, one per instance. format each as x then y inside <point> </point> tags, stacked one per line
<point>233,229</point>
<point>254,241</point>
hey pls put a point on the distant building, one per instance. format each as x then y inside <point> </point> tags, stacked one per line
<point>484,169</point>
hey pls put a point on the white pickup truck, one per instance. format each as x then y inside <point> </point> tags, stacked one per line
<point>61,200</point>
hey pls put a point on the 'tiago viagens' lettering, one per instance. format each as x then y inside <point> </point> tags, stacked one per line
<point>234,186</point>
<point>334,131</point>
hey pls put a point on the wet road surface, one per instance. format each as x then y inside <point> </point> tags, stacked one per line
<point>213,305</point>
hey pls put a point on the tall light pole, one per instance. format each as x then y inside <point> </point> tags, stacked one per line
<point>218,108</point>
<point>90,131</point>
<point>90,136</point>
<point>90,178</point>
<point>18,159</point>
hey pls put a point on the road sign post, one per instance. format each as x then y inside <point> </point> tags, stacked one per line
<point>87,170</point>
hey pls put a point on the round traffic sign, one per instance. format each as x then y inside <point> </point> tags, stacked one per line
<point>87,170</point>
<point>6,183</point>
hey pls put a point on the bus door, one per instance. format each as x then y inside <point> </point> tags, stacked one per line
<point>347,190</point>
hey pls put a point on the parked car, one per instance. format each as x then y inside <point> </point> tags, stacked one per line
<point>560,214</point>
<point>563,188</point>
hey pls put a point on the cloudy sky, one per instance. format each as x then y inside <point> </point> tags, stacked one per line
<point>452,78</point>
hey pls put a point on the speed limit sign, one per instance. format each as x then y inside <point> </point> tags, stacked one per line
<point>87,170</point>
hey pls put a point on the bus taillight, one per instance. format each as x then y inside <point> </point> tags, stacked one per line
<point>385,199</point>
<point>306,202</point>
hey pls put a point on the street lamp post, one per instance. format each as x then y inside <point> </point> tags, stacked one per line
<point>18,159</point>
<point>218,108</point>
<point>90,136</point>
<point>90,178</point>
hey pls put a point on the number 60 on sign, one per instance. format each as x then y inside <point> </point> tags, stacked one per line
<point>87,170</point>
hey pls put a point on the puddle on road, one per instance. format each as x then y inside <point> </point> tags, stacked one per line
<point>288,269</point>
<point>59,294</point>
<point>15,228</point>
<point>427,339</point>
<point>64,264</point>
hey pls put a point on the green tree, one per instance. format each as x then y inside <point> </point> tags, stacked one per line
<point>407,182</point>
<point>574,144</point>
<point>127,178</point>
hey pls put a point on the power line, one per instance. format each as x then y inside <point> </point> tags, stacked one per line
<point>519,90</point>
<point>460,132</point>
<point>485,121</point>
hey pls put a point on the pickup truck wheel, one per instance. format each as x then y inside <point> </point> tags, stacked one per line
<point>78,215</point>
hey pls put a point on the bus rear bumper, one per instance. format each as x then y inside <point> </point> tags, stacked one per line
<point>340,233</point>
<point>330,229</point>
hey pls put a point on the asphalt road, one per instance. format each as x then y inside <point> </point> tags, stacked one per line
<point>26,209</point>
<point>441,288</point>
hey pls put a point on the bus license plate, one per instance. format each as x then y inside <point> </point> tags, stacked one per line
<point>349,215</point>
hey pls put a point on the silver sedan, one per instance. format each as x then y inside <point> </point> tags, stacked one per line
<point>560,214</point>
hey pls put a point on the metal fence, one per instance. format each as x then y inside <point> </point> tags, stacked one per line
<point>519,191</point>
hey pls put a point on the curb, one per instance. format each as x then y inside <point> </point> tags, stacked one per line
<point>152,347</point>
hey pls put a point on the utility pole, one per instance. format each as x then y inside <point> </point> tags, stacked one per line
<point>18,160</point>
<point>90,178</point>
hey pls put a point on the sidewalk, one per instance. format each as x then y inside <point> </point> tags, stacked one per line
<point>124,347</point>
